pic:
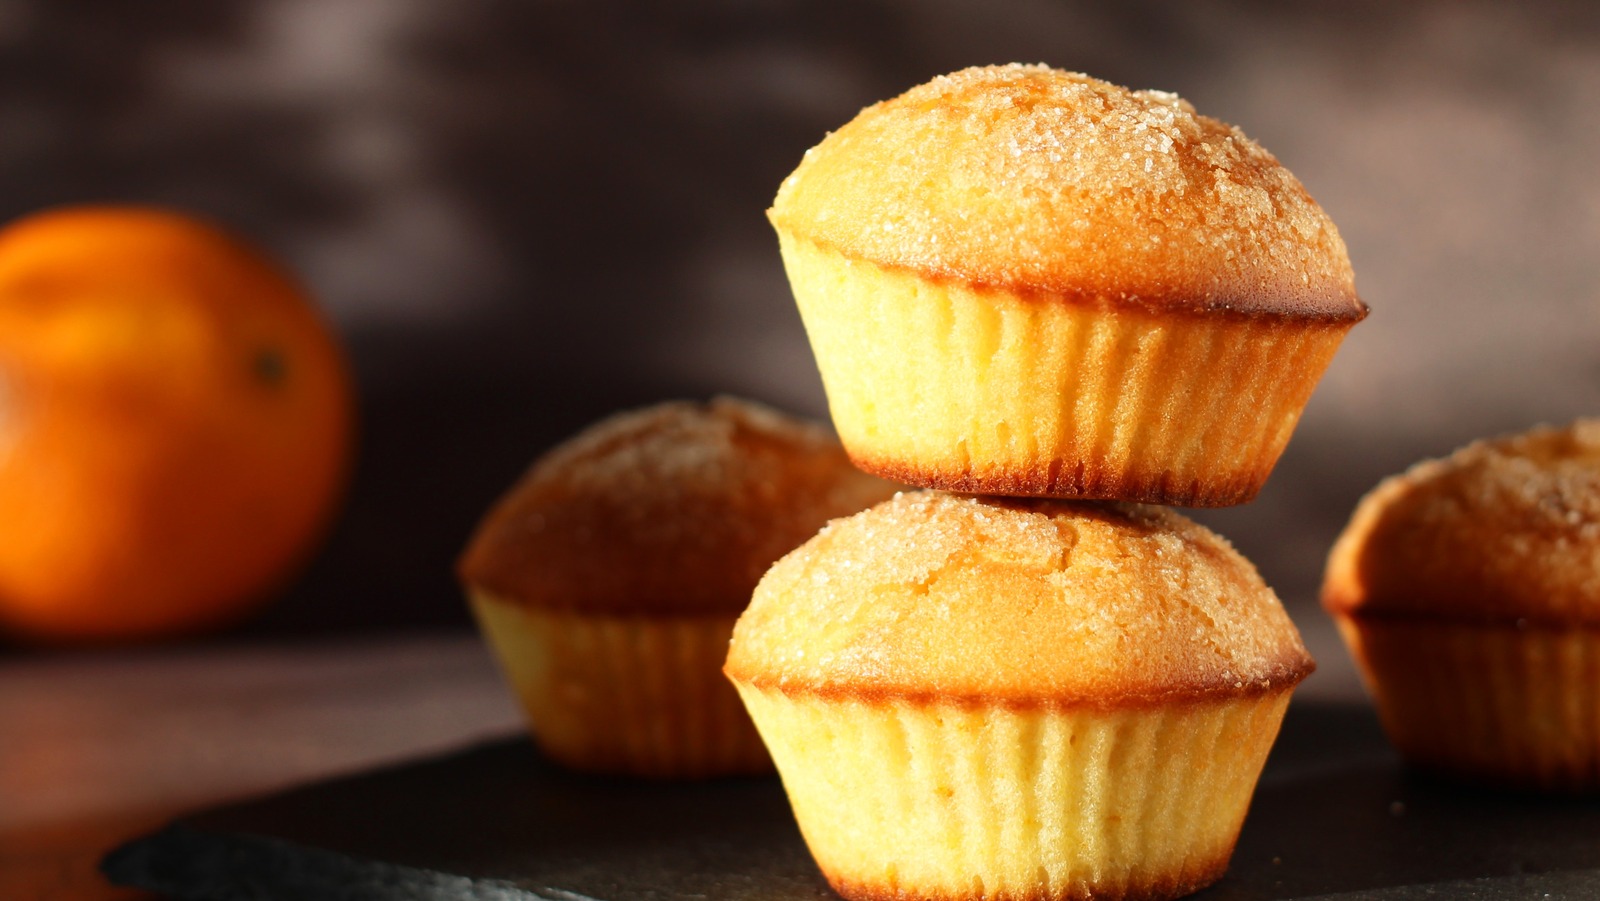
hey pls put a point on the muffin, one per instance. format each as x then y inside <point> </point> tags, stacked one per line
<point>1016,698</point>
<point>1468,591</point>
<point>1021,281</point>
<point>608,579</point>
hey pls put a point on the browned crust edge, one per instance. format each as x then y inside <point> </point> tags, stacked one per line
<point>1076,480</point>
<point>1159,888</point>
<point>584,608</point>
<point>1282,680</point>
<point>486,590</point>
<point>1340,606</point>
<point>1332,308</point>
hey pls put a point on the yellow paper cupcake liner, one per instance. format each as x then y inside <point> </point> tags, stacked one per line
<point>1509,705</point>
<point>943,801</point>
<point>943,385</point>
<point>637,695</point>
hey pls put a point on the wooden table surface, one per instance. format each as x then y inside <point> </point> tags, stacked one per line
<point>98,747</point>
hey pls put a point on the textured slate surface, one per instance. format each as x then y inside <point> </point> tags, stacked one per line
<point>1334,816</point>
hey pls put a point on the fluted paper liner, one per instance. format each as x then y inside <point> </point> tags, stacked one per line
<point>1510,705</point>
<point>945,385</point>
<point>639,695</point>
<point>908,800</point>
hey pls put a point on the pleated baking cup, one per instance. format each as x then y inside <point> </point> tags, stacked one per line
<point>634,695</point>
<point>913,800</point>
<point>942,384</point>
<point>1503,704</point>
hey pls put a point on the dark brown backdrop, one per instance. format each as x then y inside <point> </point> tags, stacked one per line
<point>524,215</point>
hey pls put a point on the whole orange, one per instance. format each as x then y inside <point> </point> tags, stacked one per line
<point>175,425</point>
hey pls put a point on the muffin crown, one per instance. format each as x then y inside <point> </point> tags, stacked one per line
<point>675,509</point>
<point>1026,603</point>
<point>1503,530</point>
<point>1061,186</point>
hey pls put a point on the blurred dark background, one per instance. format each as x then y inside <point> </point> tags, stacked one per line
<point>525,215</point>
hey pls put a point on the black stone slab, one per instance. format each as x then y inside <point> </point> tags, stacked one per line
<point>1334,816</point>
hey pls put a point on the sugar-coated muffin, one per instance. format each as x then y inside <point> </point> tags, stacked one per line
<point>1023,281</point>
<point>1468,591</point>
<point>608,579</point>
<point>987,698</point>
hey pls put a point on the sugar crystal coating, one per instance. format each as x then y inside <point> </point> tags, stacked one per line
<point>1054,183</point>
<point>1503,530</point>
<point>1009,601</point>
<point>675,509</point>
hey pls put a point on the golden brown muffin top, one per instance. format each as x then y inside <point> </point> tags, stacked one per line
<point>1058,185</point>
<point>675,509</point>
<point>1503,530</point>
<point>1018,602</point>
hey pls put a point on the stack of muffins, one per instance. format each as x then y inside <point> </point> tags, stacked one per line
<point>1049,302</point>
<point>1058,297</point>
<point>1065,301</point>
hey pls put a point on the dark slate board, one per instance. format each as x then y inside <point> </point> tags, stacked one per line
<point>1334,816</point>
